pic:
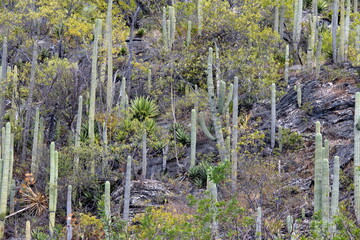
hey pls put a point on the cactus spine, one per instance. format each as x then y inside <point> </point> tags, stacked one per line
<point>69,214</point>
<point>318,173</point>
<point>127,189</point>
<point>273,114</point>
<point>357,157</point>
<point>107,209</point>
<point>52,188</point>
<point>258,224</point>
<point>93,88</point>
<point>77,135</point>
<point>109,83</point>
<point>34,161</point>
<point>335,189</point>
<point>188,34</point>
<point>28,231</point>
<point>144,156</point>
<point>193,138</point>
<point>5,176</point>
<point>235,133</point>
<point>286,71</point>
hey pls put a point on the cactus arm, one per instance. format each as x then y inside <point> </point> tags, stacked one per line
<point>204,127</point>
<point>229,97</point>
<point>34,161</point>
<point>325,191</point>
<point>335,188</point>
<point>318,173</point>
<point>221,101</point>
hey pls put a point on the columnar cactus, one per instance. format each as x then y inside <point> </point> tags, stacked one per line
<point>12,196</point>
<point>357,44</point>
<point>298,94</point>
<point>93,87</point>
<point>77,135</point>
<point>172,23</point>
<point>122,94</point>
<point>334,25</point>
<point>311,43</point>
<point>355,6</point>
<point>200,16</point>
<point>258,224</point>
<point>5,176</point>
<point>341,53</point>
<point>193,138</point>
<point>107,210</point>
<point>149,83</point>
<point>109,83</point>
<point>234,135</point>
<point>276,19</point>
<point>317,127</point>
<point>52,188</point>
<point>289,223</point>
<point>212,188</point>
<point>297,22</point>
<point>325,205</point>
<point>347,28</point>
<point>3,79</point>
<point>127,189</point>
<point>144,156</point>
<point>188,34</point>
<point>28,231</point>
<point>34,161</point>
<point>273,114</point>
<point>357,157</point>
<point>318,173</point>
<point>286,71</point>
<point>68,214</point>
<point>165,36</point>
<point>335,189</point>
<point>105,146</point>
<point>280,140</point>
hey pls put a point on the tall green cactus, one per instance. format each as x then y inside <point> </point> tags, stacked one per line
<point>108,39</point>
<point>127,189</point>
<point>165,36</point>
<point>34,156</point>
<point>144,156</point>
<point>212,188</point>
<point>286,71</point>
<point>325,191</point>
<point>77,135</point>
<point>335,189</point>
<point>234,136</point>
<point>276,19</point>
<point>357,157</point>
<point>289,223</point>
<point>297,23</point>
<point>68,214</point>
<point>258,224</point>
<point>298,94</point>
<point>107,210</point>
<point>273,114</point>
<point>318,57</point>
<point>341,53</point>
<point>193,139</point>
<point>3,79</point>
<point>347,29</point>
<point>28,231</point>
<point>52,188</point>
<point>334,25</point>
<point>355,6</point>
<point>5,176</point>
<point>318,173</point>
<point>93,88</point>
<point>200,16</point>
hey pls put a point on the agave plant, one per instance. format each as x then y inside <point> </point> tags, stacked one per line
<point>181,134</point>
<point>143,108</point>
<point>198,175</point>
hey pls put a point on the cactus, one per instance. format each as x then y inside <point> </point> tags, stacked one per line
<point>69,214</point>
<point>281,21</point>
<point>297,22</point>
<point>107,209</point>
<point>289,223</point>
<point>335,189</point>
<point>311,43</point>
<point>334,25</point>
<point>341,56</point>
<point>303,213</point>
<point>12,196</point>
<point>165,156</point>
<point>325,205</point>
<point>212,188</point>
<point>168,26</point>
<point>217,74</point>
<point>149,86</point>
<point>172,25</point>
<point>318,58</point>
<point>273,114</point>
<point>355,6</point>
<point>347,29</point>
<point>276,19</point>
<point>77,135</point>
<point>357,44</point>
<point>108,40</point>
<point>34,160</point>
<point>105,146</point>
<point>193,138</point>
<point>3,79</point>
<point>165,36</point>
<point>286,71</point>
<point>258,224</point>
<point>234,135</point>
<point>144,156</point>
<point>127,189</point>
<point>52,188</point>
<point>318,173</point>
<point>122,94</point>
<point>200,16</point>
<point>188,34</point>
<point>280,140</point>
<point>28,231</point>
<point>93,87</point>
<point>317,127</point>
<point>357,157</point>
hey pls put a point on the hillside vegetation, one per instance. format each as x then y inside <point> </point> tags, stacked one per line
<point>181,119</point>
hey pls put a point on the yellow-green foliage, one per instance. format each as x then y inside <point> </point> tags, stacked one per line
<point>88,227</point>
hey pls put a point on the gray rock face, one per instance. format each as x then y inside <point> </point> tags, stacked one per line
<point>147,193</point>
<point>331,103</point>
